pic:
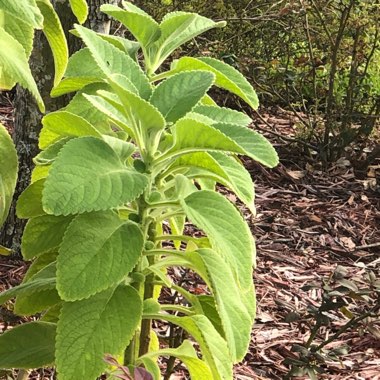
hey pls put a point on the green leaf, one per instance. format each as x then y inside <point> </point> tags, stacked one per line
<point>123,44</point>
<point>98,251</point>
<point>30,345</point>
<point>89,176</point>
<point>177,95</point>
<point>27,11</point>
<point>29,203</point>
<point>43,234</point>
<point>122,148</point>
<point>48,156</point>
<point>80,10</point>
<point>56,38</point>
<point>14,66</point>
<point>8,172</point>
<point>133,21</point>
<point>228,232</point>
<point>223,115</point>
<point>254,144</point>
<point>238,179</point>
<point>91,328</point>
<point>227,77</point>
<point>67,85</point>
<point>59,124</point>
<point>19,30</point>
<point>191,135</point>
<point>111,60</point>
<point>213,347</point>
<point>39,264</point>
<point>176,29</point>
<point>198,369</point>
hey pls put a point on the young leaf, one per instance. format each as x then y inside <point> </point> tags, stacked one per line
<point>56,38</point>
<point>91,328</point>
<point>89,176</point>
<point>223,115</point>
<point>59,124</point>
<point>14,66</point>
<point>98,251</point>
<point>228,232</point>
<point>43,234</point>
<point>80,10</point>
<point>178,94</point>
<point>8,172</point>
<point>253,143</point>
<point>227,77</point>
<point>30,345</point>
<point>111,60</point>
<point>133,20</point>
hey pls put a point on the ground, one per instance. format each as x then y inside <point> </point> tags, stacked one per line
<point>309,222</point>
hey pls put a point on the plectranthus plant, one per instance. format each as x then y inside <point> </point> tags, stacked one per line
<point>124,169</point>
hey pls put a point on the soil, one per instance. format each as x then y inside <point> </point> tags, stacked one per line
<point>310,224</point>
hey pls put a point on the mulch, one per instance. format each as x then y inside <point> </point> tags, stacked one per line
<point>309,222</point>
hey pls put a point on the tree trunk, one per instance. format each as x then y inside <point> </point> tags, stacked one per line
<point>27,119</point>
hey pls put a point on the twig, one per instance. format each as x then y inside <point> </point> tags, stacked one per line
<point>366,246</point>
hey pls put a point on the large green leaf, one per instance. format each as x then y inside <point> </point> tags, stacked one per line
<point>198,369</point>
<point>223,115</point>
<point>133,20</point>
<point>111,60</point>
<point>227,77</point>
<point>176,29</point>
<point>213,347</point>
<point>14,66</point>
<point>91,328</point>
<point>254,144</point>
<point>56,38</point>
<point>98,251</point>
<point>80,9</point>
<point>30,345</point>
<point>8,172</point>
<point>43,234</point>
<point>178,94</point>
<point>89,176</point>
<point>25,10</point>
<point>59,124</point>
<point>228,232</point>
<point>18,29</point>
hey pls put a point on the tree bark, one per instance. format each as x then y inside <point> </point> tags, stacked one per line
<point>27,118</point>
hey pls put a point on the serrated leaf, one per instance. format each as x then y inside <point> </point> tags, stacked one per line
<point>80,10</point>
<point>98,251</point>
<point>228,232</point>
<point>30,345</point>
<point>56,38</point>
<point>89,176</point>
<point>177,95</point>
<point>253,143</point>
<point>27,11</point>
<point>122,148</point>
<point>47,156</point>
<point>91,328</point>
<point>43,234</point>
<point>133,20</point>
<point>60,124</point>
<point>176,29</point>
<point>213,347</point>
<point>111,60</point>
<point>29,203</point>
<point>8,172</point>
<point>223,115</point>
<point>67,85</point>
<point>227,77</point>
<point>14,67</point>
<point>125,45</point>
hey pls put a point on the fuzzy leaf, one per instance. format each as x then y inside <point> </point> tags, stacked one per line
<point>89,176</point>
<point>228,232</point>
<point>80,10</point>
<point>43,234</point>
<point>91,328</point>
<point>98,251</point>
<point>27,11</point>
<point>30,345</point>
<point>8,172</point>
<point>178,94</point>
<point>223,115</point>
